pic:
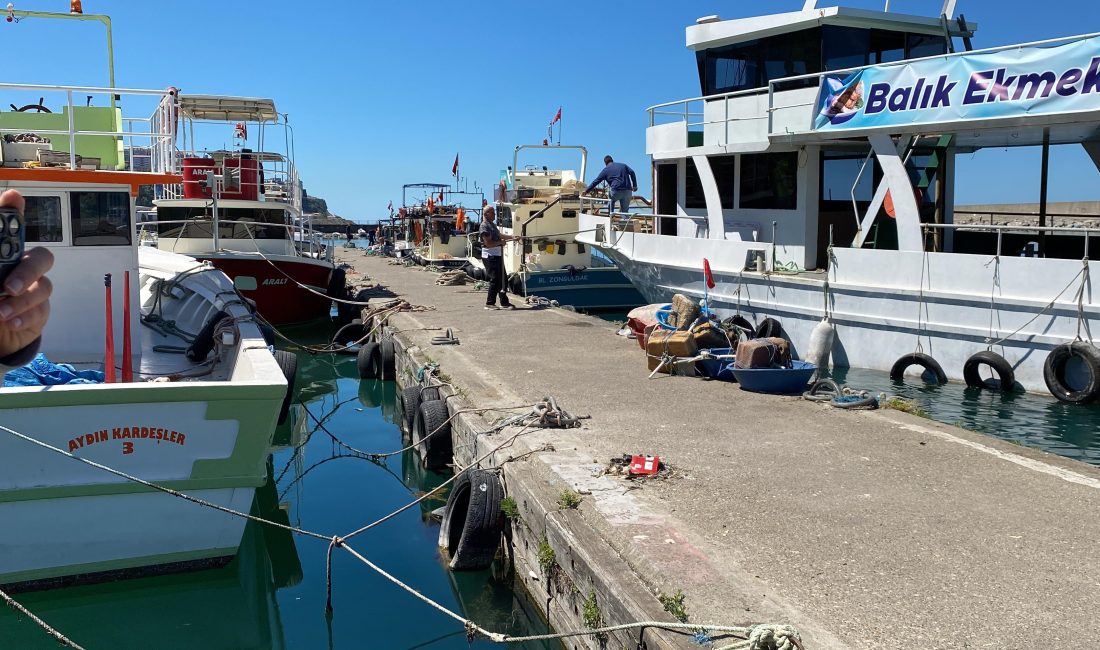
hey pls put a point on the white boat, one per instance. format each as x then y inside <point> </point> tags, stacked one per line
<point>438,226</point>
<point>541,206</point>
<point>816,194</point>
<point>203,427</point>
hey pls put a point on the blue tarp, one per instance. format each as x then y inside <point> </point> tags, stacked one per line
<point>43,372</point>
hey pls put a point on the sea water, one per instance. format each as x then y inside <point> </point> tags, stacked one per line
<point>273,594</point>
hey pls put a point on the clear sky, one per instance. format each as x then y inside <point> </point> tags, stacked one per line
<point>383,93</point>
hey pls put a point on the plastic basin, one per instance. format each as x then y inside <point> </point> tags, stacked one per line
<point>778,381</point>
<point>721,369</point>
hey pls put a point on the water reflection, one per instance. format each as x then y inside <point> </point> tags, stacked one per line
<point>1071,430</point>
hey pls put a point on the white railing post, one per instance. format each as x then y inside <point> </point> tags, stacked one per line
<point>72,131</point>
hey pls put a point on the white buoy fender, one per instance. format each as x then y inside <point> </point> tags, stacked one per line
<point>821,344</point>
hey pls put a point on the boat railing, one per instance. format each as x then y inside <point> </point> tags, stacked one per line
<point>142,138</point>
<point>305,240</point>
<point>276,177</point>
<point>813,79</point>
<point>1040,231</point>
<point>692,114</point>
<point>1003,215</point>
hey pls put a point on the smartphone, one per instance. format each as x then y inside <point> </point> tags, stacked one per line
<point>12,242</point>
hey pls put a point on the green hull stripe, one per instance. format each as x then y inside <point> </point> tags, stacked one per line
<point>115,565</point>
<point>89,394</point>
<point>129,487</point>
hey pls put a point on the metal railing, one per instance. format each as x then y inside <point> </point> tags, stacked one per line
<point>1087,233</point>
<point>1028,215</point>
<point>143,129</point>
<point>297,236</point>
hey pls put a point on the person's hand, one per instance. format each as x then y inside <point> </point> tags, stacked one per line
<point>25,308</point>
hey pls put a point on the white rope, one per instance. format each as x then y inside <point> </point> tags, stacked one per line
<point>1042,311</point>
<point>59,637</point>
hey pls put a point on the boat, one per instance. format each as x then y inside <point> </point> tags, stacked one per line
<point>439,225</point>
<point>241,209</point>
<point>201,426</point>
<point>822,194</point>
<point>541,206</point>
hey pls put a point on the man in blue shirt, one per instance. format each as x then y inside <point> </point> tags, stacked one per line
<point>621,183</point>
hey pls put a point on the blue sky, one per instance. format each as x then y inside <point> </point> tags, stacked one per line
<point>385,93</point>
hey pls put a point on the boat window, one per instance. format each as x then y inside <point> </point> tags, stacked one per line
<point>886,46</point>
<point>504,217</point>
<point>42,216</point>
<point>100,218</point>
<point>694,199</point>
<point>920,45</point>
<point>839,173</point>
<point>769,181</point>
<point>725,176</point>
<point>844,47</point>
<point>233,223</point>
<point>753,64</point>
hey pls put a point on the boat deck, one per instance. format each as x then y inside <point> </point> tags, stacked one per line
<point>862,529</point>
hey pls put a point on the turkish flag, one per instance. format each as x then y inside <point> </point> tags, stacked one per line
<point>707,274</point>
<point>557,118</point>
<point>454,167</point>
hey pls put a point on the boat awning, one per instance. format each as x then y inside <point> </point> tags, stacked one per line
<point>228,109</point>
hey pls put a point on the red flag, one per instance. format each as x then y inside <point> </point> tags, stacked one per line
<point>454,167</point>
<point>707,274</point>
<point>557,118</point>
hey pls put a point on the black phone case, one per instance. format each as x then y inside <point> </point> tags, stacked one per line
<point>12,241</point>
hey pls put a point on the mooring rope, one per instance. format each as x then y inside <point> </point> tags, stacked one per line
<point>18,608</point>
<point>1042,311</point>
<point>791,640</point>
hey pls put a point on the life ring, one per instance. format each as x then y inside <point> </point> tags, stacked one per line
<point>288,363</point>
<point>1006,376</point>
<point>369,362</point>
<point>897,371</point>
<point>768,328</point>
<point>432,434</point>
<point>1054,372</point>
<point>473,520</point>
<point>388,359</point>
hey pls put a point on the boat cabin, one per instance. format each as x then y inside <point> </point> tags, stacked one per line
<point>747,162</point>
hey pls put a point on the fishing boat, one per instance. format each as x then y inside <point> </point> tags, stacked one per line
<point>815,175</point>
<point>199,391</point>
<point>541,205</point>
<point>241,208</point>
<point>438,226</point>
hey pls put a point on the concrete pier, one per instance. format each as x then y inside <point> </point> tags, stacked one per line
<point>862,529</point>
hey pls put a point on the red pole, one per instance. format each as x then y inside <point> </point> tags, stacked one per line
<point>127,358</point>
<point>109,360</point>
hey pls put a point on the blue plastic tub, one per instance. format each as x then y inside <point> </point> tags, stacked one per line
<point>778,381</point>
<point>721,369</point>
<point>662,317</point>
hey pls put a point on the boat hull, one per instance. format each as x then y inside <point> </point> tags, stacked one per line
<point>593,288</point>
<point>278,298</point>
<point>64,519</point>
<point>882,305</point>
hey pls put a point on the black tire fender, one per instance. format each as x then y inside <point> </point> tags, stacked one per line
<point>368,361</point>
<point>1054,372</point>
<point>473,521</point>
<point>897,371</point>
<point>346,336</point>
<point>998,364</point>
<point>409,403</point>
<point>432,434</point>
<point>388,359</point>
<point>288,363</point>
<point>768,328</point>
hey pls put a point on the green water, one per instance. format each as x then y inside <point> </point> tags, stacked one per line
<point>1070,430</point>
<point>273,594</point>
